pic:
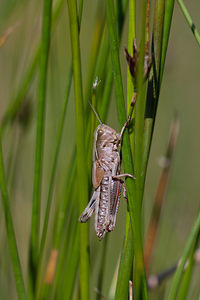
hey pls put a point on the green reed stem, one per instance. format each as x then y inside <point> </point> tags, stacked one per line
<point>82,176</point>
<point>135,213</point>
<point>127,251</point>
<point>179,272</point>
<point>189,20</point>
<point>35,226</point>
<point>58,143</point>
<point>18,98</point>
<point>10,231</point>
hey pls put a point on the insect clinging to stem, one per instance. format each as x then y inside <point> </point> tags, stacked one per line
<point>106,178</point>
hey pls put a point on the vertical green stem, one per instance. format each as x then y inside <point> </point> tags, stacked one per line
<point>127,251</point>
<point>58,142</point>
<point>139,272</point>
<point>130,83</point>
<point>179,272</point>
<point>131,37</point>
<point>35,226</point>
<point>82,176</point>
<point>53,171</point>
<point>189,20</point>
<point>169,8</point>
<point>18,98</point>
<point>10,231</point>
<point>134,206</point>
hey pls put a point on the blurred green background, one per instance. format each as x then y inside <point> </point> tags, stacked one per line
<point>179,93</point>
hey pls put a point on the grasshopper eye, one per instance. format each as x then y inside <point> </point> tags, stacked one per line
<point>100,132</point>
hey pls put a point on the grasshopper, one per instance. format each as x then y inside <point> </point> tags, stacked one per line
<point>106,178</point>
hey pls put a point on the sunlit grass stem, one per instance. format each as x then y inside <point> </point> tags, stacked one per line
<point>82,175</point>
<point>10,231</point>
<point>35,225</point>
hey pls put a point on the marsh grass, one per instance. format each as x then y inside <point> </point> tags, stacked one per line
<point>65,261</point>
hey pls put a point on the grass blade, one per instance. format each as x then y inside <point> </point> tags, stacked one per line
<point>57,148</point>
<point>82,176</point>
<point>139,272</point>
<point>126,261</point>
<point>161,30</point>
<point>18,98</point>
<point>140,286</point>
<point>35,226</point>
<point>160,194</point>
<point>169,8</point>
<point>179,272</point>
<point>53,171</point>
<point>189,20</point>
<point>10,232</point>
<point>127,251</point>
<point>185,285</point>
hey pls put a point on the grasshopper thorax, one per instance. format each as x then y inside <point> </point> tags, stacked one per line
<point>107,137</point>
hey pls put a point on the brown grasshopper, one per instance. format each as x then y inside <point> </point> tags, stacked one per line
<point>106,178</point>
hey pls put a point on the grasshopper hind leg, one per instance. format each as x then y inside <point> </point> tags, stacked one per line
<point>89,209</point>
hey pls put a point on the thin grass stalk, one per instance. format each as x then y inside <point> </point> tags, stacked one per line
<point>187,250</point>
<point>157,42</point>
<point>126,263</point>
<point>102,268</point>
<point>54,166</point>
<point>14,151</point>
<point>140,286</point>
<point>185,285</point>
<point>103,55</point>
<point>52,179</point>
<point>56,269</point>
<point>139,271</point>
<point>154,82</point>
<point>169,8</point>
<point>18,98</point>
<point>72,265</point>
<point>161,30</point>
<point>95,46</point>
<point>104,104</point>
<point>189,20</point>
<point>127,251</point>
<point>160,193</point>
<point>10,231</point>
<point>57,148</point>
<point>65,229</point>
<point>35,226</point>
<point>62,214</point>
<point>82,176</point>
<point>68,259</point>
<point>130,82</point>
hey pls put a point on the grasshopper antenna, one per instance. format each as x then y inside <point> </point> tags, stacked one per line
<point>96,114</point>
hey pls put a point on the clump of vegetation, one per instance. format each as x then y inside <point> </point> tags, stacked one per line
<point>46,141</point>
